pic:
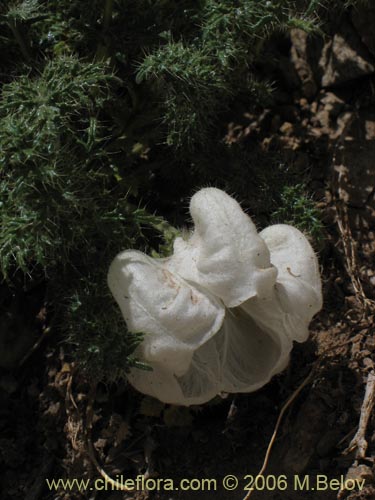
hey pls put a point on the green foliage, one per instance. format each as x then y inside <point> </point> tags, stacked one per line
<point>23,11</point>
<point>197,75</point>
<point>299,209</point>
<point>62,209</point>
<point>103,346</point>
<point>52,164</point>
<point>109,107</point>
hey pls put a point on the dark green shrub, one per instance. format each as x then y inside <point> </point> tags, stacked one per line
<point>106,108</point>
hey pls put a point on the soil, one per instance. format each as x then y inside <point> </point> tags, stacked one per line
<point>324,119</point>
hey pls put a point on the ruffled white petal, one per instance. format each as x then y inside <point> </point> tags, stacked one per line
<point>241,357</point>
<point>176,317</point>
<point>225,255</point>
<point>229,362</point>
<point>197,386</point>
<point>270,282</point>
<point>298,287</point>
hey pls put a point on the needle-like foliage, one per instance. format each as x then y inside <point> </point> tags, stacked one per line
<point>104,109</point>
<point>298,208</point>
<point>63,212</point>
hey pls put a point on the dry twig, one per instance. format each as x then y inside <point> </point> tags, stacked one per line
<point>348,242</point>
<point>90,447</point>
<point>74,421</point>
<point>351,259</point>
<point>35,346</point>
<point>359,442</point>
<point>290,400</point>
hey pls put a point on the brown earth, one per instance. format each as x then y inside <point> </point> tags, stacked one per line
<point>325,120</point>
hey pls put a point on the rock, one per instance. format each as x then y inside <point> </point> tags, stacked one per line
<point>355,161</point>
<point>309,427</point>
<point>363,19</point>
<point>360,472</point>
<point>330,107</point>
<point>287,128</point>
<point>344,58</point>
<point>301,61</point>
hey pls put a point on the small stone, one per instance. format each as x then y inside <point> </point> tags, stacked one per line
<point>286,128</point>
<point>344,58</point>
<point>360,472</point>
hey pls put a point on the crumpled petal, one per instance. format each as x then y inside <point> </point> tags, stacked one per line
<point>241,357</point>
<point>270,281</point>
<point>298,287</point>
<point>197,386</point>
<point>225,254</point>
<point>175,316</point>
<point>252,354</point>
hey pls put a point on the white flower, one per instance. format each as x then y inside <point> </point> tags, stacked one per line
<point>220,314</point>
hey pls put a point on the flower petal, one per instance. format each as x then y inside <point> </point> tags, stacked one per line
<point>271,281</point>
<point>298,284</point>
<point>252,354</point>
<point>198,386</point>
<point>241,357</point>
<point>225,255</point>
<point>175,316</point>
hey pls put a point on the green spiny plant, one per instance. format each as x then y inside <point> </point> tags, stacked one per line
<point>63,212</point>
<point>197,75</point>
<point>299,209</point>
<point>106,108</point>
